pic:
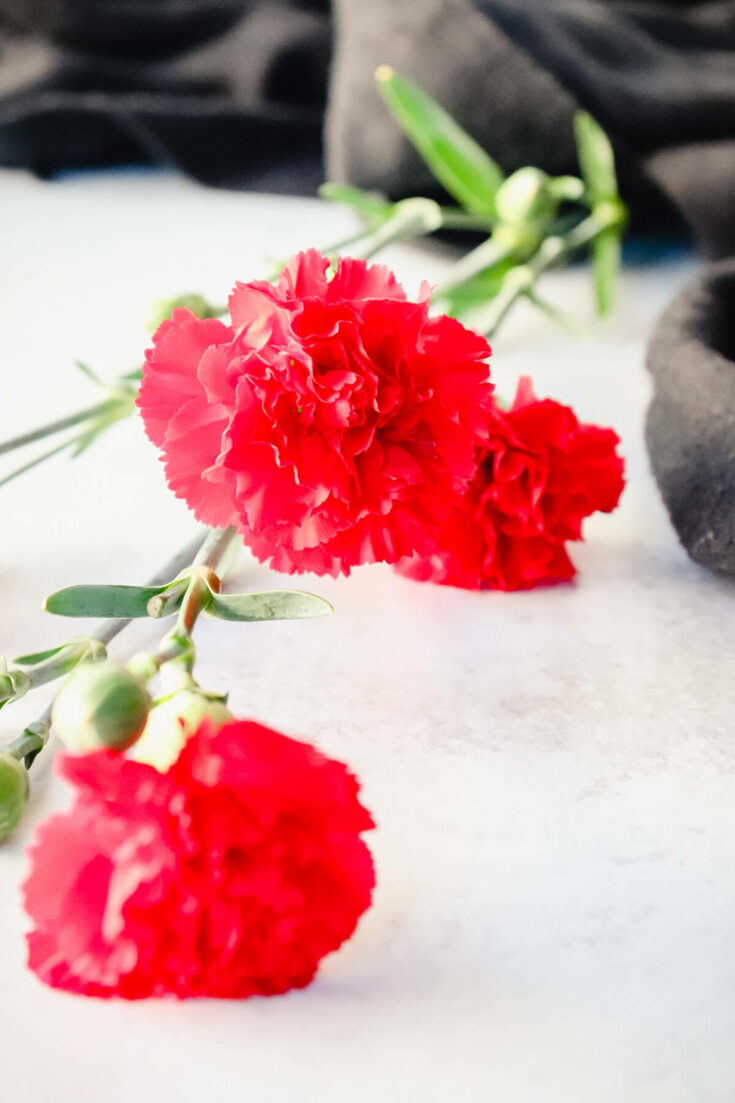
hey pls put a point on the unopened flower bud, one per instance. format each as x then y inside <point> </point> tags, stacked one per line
<point>14,684</point>
<point>13,792</point>
<point>100,705</point>
<point>172,722</point>
<point>194,302</point>
<point>525,198</point>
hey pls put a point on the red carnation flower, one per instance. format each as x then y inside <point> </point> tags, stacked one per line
<point>540,475</point>
<point>332,422</point>
<point>230,875</point>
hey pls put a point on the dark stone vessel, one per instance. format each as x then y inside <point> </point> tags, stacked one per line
<point>690,429</point>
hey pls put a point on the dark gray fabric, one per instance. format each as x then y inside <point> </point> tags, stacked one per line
<point>690,430</point>
<point>512,106</point>
<point>240,92</point>
<point>660,77</point>
<point>232,93</point>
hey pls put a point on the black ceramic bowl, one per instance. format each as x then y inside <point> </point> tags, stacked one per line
<point>690,430</point>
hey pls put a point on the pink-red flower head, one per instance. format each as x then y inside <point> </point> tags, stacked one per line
<point>332,421</point>
<point>232,874</point>
<point>540,474</point>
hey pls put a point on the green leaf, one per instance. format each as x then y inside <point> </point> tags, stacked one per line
<point>596,157</point>
<point>191,300</point>
<point>605,268</point>
<point>121,405</point>
<point>86,370</point>
<point>103,601</point>
<point>456,160</point>
<point>371,206</point>
<point>552,312</point>
<point>38,656</point>
<point>477,291</point>
<point>570,188</point>
<point>271,605</point>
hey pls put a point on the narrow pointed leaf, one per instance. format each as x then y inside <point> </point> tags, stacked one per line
<point>103,601</point>
<point>38,656</point>
<point>272,605</point>
<point>552,312</point>
<point>190,300</point>
<point>566,187</point>
<point>85,440</point>
<point>596,157</point>
<point>456,160</point>
<point>86,370</point>
<point>605,267</point>
<point>371,206</point>
<point>477,291</point>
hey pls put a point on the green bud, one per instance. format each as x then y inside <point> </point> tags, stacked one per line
<point>100,705</point>
<point>197,304</point>
<point>526,198</point>
<point>172,722</point>
<point>13,792</point>
<point>14,684</point>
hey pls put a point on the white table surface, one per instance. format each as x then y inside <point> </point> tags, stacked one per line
<point>553,773</point>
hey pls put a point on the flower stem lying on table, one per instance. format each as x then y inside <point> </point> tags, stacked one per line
<point>203,579</point>
<point>36,461</point>
<point>58,426</point>
<point>521,281</point>
<point>94,420</point>
<point>95,685</point>
<point>524,215</point>
<point>34,737</point>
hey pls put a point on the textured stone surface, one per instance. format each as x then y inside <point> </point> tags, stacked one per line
<point>690,429</point>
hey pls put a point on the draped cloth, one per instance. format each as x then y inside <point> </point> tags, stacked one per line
<point>276,95</point>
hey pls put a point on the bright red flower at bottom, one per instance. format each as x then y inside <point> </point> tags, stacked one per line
<point>540,475</point>
<point>230,875</point>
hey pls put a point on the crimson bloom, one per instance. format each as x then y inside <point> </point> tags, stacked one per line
<point>230,875</point>
<point>332,421</point>
<point>540,474</point>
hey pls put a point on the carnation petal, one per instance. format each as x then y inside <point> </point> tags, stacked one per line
<point>356,279</point>
<point>230,875</point>
<point>540,474</point>
<point>333,423</point>
<point>170,370</point>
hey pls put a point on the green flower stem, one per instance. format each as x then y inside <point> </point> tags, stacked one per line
<point>455,219</point>
<point>492,252</point>
<point>107,632</point>
<point>401,225</point>
<point>53,427</point>
<point>519,281</point>
<point>412,218</point>
<point>178,644</point>
<point>51,669</point>
<point>32,741</point>
<point>93,420</point>
<point>522,279</point>
<point>38,460</point>
<point>407,219</point>
<point>335,249</point>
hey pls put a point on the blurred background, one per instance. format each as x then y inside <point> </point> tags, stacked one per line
<point>278,95</point>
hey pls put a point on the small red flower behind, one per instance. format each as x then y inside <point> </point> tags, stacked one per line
<point>540,475</point>
<point>332,421</point>
<point>230,875</point>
